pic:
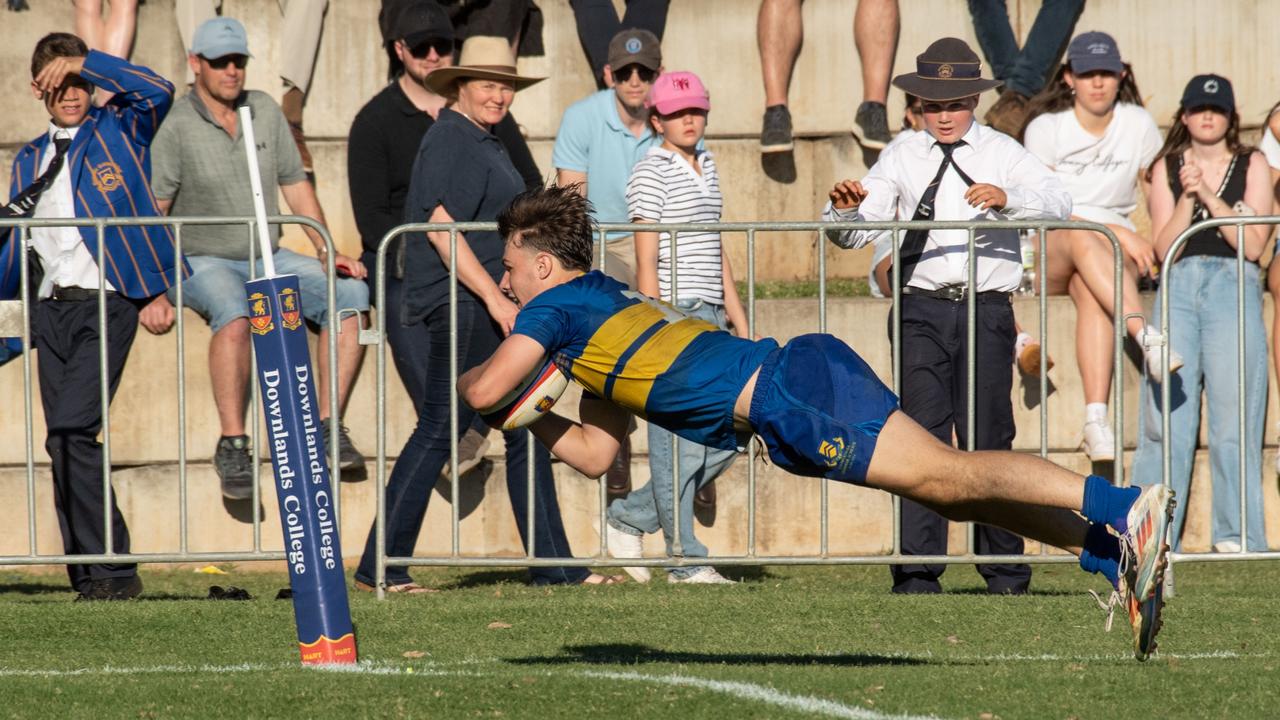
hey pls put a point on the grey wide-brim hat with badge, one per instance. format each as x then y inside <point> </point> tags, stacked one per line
<point>482,58</point>
<point>947,70</point>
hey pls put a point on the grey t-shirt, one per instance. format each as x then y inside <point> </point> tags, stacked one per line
<point>195,163</point>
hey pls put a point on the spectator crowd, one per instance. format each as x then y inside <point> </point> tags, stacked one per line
<point>1068,138</point>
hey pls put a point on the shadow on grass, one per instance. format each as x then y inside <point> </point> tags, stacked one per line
<point>1031,593</point>
<point>29,588</point>
<point>627,654</point>
<point>487,577</point>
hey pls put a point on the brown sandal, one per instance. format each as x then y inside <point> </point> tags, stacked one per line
<point>598,579</point>
<point>409,588</point>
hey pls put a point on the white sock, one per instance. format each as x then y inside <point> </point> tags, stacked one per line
<point>1142,335</point>
<point>1095,412</point>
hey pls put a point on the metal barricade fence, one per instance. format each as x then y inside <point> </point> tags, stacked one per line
<point>23,226</point>
<point>752,557</point>
<point>1166,450</point>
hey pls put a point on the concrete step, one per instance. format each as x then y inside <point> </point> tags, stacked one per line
<point>787,520</point>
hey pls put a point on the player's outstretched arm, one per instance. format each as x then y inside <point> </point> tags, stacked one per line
<point>484,385</point>
<point>588,446</point>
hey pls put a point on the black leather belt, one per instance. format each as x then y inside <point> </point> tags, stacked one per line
<point>956,293</point>
<point>75,294</point>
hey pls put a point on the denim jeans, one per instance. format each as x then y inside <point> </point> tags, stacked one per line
<point>427,452</point>
<point>1024,70</point>
<point>648,509</point>
<point>1202,327</point>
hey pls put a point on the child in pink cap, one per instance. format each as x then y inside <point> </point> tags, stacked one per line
<point>677,183</point>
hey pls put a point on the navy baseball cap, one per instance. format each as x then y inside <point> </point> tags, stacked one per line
<point>1094,51</point>
<point>220,36</point>
<point>1211,91</point>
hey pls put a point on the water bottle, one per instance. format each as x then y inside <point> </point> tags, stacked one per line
<point>1028,241</point>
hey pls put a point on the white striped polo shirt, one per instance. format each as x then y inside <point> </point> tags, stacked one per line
<point>664,188</point>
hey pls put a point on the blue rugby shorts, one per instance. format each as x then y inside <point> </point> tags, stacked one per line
<point>819,409</point>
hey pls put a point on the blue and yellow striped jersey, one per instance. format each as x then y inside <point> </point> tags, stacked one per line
<point>678,372</point>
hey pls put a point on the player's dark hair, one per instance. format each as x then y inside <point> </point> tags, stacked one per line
<point>56,45</point>
<point>555,220</point>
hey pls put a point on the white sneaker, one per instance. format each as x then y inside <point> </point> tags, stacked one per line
<point>624,546</point>
<point>1152,356</point>
<point>1226,546</point>
<point>705,576</point>
<point>1099,442</point>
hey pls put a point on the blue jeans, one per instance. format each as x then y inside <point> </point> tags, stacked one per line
<point>1202,327</point>
<point>1024,70</point>
<point>215,289</point>
<point>648,509</point>
<point>427,452</point>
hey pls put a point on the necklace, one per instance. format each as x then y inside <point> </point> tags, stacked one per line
<point>478,124</point>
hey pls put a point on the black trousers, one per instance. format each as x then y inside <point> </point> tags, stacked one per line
<point>934,379</point>
<point>66,339</point>
<point>598,22</point>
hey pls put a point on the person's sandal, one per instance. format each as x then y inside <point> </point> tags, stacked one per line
<point>409,588</point>
<point>598,579</point>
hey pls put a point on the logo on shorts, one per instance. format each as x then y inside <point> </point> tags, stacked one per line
<point>544,404</point>
<point>260,314</point>
<point>106,176</point>
<point>835,453</point>
<point>290,312</point>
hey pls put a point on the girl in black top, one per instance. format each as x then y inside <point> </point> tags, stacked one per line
<point>1204,172</point>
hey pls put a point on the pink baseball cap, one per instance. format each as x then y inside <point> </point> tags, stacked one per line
<point>676,91</point>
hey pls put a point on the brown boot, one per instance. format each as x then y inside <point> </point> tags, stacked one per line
<point>1009,114</point>
<point>291,105</point>
<point>618,479</point>
<point>704,502</point>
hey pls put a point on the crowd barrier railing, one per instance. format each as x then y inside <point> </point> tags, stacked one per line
<point>22,329</point>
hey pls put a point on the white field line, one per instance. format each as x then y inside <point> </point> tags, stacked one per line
<point>758,693</point>
<point>383,667</point>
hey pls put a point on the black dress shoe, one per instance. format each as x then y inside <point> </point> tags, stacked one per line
<point>917,586</point>
<point>117,588</point>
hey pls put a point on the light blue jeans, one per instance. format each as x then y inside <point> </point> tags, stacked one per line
<point>647,509</point>
<point>1202,327</point>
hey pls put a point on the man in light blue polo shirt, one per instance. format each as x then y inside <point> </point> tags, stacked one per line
<point>605,134</point>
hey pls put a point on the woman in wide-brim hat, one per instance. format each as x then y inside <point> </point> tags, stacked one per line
<point>482,58</point>
<point>463,173</point>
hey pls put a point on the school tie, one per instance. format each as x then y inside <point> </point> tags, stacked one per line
<point>913,240</point>
<point>24,204</point>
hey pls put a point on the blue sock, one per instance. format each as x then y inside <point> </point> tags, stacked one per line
<point>1101,553</point>
<point>1107,504</point>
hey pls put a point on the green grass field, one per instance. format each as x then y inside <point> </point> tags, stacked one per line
<point>786,643</point>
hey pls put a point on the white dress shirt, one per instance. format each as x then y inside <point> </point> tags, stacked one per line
<point>898,179</point>
<point>66,260</point>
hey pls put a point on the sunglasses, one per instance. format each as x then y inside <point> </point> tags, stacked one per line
<point>221,63</point>
<point>624,73</point>
<point>422,49</point>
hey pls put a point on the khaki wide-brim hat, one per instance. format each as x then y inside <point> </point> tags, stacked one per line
<point>482,58</point>
<point>947,70</point>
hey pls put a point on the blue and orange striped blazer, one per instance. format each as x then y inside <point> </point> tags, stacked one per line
<point>110,159</point>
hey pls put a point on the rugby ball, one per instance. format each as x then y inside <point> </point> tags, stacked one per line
<point>530,400</point>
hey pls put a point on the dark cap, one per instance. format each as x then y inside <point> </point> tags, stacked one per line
<point>635,47</point>
<point>414,20</point>
<point>947,70</point>
<point>1209,90</point>
<point>1094,51</point>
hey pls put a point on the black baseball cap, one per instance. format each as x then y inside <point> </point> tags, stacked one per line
<point>1209,91</point>
<point>414,21</point>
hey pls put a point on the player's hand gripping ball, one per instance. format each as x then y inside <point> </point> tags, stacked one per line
<point>530,400</point>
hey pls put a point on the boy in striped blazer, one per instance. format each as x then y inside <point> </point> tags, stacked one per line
<point>89,162</point>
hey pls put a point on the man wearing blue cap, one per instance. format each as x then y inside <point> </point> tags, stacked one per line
<point>198,169</point>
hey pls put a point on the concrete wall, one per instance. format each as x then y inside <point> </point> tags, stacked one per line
<point>1167,42</point>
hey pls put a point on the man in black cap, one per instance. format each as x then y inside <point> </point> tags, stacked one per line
<point>956,170</point>
<point>381,148</point>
